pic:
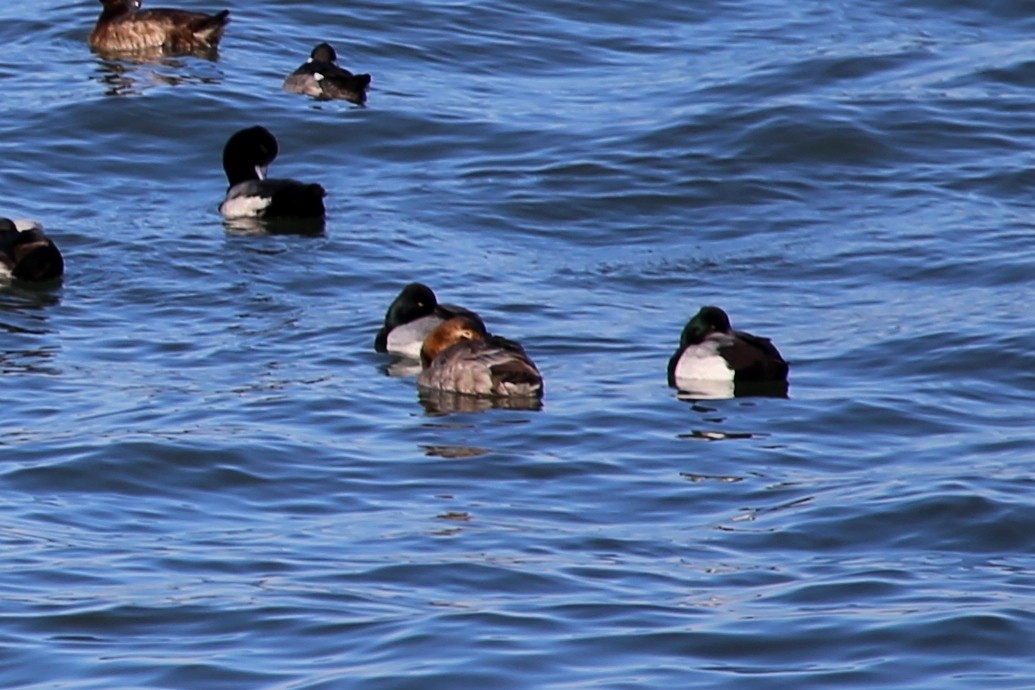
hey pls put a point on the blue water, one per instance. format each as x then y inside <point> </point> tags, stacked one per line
<point>209,481</point>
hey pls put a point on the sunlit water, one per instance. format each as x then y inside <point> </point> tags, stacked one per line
<point>209,481</point>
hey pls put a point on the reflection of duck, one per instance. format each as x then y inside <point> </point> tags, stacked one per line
<point>26,253</point>
<point>712,355</point>
<point>246,157</point>
<point>124,27</point>
<point>460,356</point>
<point>321,77</point>
<point>411,316</point>
<point>436,402</point>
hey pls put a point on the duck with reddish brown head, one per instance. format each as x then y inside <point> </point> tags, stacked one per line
<point>460,356</point>
<point>124,28</point>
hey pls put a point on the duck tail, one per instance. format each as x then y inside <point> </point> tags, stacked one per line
<point>211,28</point>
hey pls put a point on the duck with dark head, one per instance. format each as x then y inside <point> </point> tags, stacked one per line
<point>715,359</point>
<point>251,195</point>
<point>322,78</point>
<point>124,27</point>
<point>26,253</point>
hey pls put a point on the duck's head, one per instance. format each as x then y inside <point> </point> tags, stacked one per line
<point>248,154</point>
<point>449,333</point>
<point>323,52</point>
<point>705,322</point>
<point>415,300</point>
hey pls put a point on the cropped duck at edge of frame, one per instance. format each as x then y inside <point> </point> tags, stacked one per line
<point>26,253</point>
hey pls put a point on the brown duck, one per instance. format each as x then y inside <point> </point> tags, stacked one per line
<point>124,27</point>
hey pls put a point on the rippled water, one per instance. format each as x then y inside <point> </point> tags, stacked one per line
<point>208,481</point>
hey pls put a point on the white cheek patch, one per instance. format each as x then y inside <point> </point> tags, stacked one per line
<point>244,206</point>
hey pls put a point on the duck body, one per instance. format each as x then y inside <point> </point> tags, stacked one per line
<point>28,254</point>
<point>124,27</point>
<point>246,157</point>
<point>411,317</point>
<point>321,77</point>
<point>710,350</point>
<point>461,357</point>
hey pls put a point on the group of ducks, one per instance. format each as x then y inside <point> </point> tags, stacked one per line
<point>457,354</point>
<point>26,253</point>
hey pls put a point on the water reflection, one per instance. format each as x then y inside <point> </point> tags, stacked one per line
<point>23,315</point>
<point>696,389</point>
<point>130,74</point>
<point>252,227</point>
<point>401,368</point>
<point>437,402</point>
<point>453,452</point>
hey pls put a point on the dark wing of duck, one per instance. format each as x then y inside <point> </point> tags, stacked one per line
<point>510,364</point>
<point>754,358</point>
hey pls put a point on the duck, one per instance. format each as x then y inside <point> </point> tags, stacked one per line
<point>462,357</point>
<point>711,351</point>
<point>411,316</point>
<point>246,157</point>
<point>124,27</point>
<point>322,78</point>
<point>26,253</point>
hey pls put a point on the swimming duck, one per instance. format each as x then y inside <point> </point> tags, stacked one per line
<point>124,27</point>
<point>321,77</point>
<point>460,356</point>
<point>26,253</point>
<point>251,194</point>
<point>411,317</point>
<point>710,350</point>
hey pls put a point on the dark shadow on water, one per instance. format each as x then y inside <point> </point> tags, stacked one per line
<point>447,402</point>
<point>453,452</point>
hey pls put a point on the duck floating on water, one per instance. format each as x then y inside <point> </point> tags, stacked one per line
<point>710,352</point>
<point>246,157</point>
<point>322,78</point>
<point>411,316</point>
<point>460,356</point>
<point>26,253</point>
<point>124,27</point>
